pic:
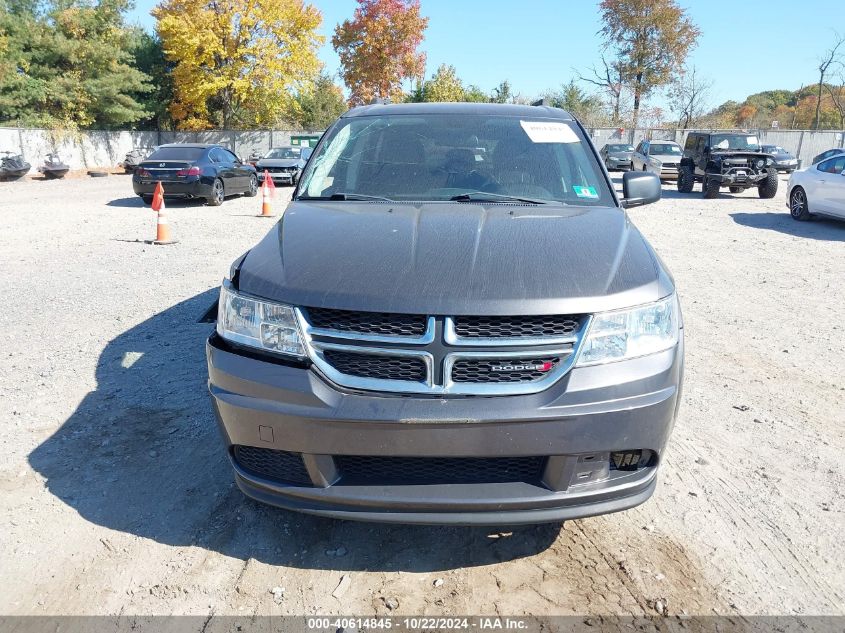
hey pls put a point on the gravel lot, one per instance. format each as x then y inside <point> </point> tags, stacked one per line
<point>115,495</point>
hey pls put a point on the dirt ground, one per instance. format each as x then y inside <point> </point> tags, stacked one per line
<point>116,496</point>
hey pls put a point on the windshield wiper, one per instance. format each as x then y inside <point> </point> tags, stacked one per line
<point>485,196</point>
<point>340,196</point>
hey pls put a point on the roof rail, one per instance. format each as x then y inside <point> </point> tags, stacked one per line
<point>379,101</point>
<point>542,102</point>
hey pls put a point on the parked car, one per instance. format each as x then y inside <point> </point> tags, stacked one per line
<point>784,161</point>
<point>284,164</point>
<point>726,159</point>
<point>13,166</point>
<point>827,154</point>
<point>659,157</point>
<point>191,170</point>
<point>441,334</point>
<point>819,189</point>
<point>617,156</point>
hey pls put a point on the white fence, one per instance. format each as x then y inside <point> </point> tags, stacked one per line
<point>95,148</point>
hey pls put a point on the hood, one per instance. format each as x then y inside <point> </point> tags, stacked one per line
<point>784,156</point>
<point>737,152</point>
<point>278,162</point>
<point>623,154</point>
<point>456,258</point>
<point>667,158</point>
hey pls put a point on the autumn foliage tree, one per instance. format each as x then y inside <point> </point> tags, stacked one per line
<point>651,40</point>
<point>378,48</point>
<point>238,62</point>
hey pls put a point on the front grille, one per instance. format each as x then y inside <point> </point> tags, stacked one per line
<point>376,365</point>
<point>515,326</point>
<point>502,370</point>
<point>386,324</point>
<point>373,470</point>
<point>280,466</point>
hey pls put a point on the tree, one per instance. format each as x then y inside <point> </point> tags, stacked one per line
<point>831,57</point>
<point>444,85</point>
<point>321,105</point>
<point>238,62</point>
<point>587,108</point>
<point>651,40</point>
<point>149,58</point>
<point>68,63</point>
<point>688,96</point>
<point>378,48</point>
<point>611,79</point>
<point>502,93</point>
<point>474,94</point>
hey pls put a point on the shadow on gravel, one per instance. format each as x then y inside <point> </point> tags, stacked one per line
<point>142,455</point>
<point>816,229</point>
<point>135,202</point>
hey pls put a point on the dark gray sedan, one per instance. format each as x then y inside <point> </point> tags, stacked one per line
<point>284,164</point>
<point>784,161</point>
<point>617,156</point>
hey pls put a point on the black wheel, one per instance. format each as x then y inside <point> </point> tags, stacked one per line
<point>252,190</point>
<point>736,189</point>
<point>798,205</point>
<point>218,194</point>
<point>768,188</point>
<point>147,199</point>
<point>98,174</point>
<point>710,187</point>
<point>686,179</point>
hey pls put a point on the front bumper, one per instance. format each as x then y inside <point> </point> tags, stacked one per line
<point>283,177</point>
<point>573,425</point>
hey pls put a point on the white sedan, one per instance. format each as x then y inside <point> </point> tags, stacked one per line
<point>818,189</point>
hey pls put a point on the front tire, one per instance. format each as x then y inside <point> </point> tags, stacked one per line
<point>218,194</point>
<point>686,180</point>
<point>252,190</point>
<point>711,188</point>
<point>798,208</point>
<point>769,187</point>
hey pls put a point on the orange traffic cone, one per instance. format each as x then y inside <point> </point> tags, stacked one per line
<point>268,190</point>
<point>163,235</point>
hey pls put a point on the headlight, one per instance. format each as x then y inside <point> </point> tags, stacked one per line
<point>261,324</point>
<point>625,334</point>
<point>761,162</point>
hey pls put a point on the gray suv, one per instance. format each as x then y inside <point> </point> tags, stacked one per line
<point>455,321</point>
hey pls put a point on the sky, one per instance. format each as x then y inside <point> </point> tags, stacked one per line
<point>745,47</point>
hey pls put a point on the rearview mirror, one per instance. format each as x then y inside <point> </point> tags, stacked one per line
<point>639,188</point>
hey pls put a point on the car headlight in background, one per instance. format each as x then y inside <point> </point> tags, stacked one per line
<point>624,334</point>
<point>261,324</point>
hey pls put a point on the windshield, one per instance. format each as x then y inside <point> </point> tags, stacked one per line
<point>620,148</point>
<point>735,141</point>
<point>283,152</point>
<point>176,153</point>
<point>436,157</point>
<point>664,148</point>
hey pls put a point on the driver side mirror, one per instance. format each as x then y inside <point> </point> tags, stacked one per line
<point>639,188</point>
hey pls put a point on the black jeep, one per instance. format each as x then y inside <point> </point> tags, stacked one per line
<point>733,160</point>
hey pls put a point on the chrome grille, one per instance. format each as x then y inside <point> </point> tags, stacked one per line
<point>515,327</point>
<point>381,367</point>
<point>386,324</point>
<point>502,370</point>
<point>425,354</point>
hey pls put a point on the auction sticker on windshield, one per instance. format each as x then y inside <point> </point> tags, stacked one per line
<point>549,132</point>
<point>585,192</point>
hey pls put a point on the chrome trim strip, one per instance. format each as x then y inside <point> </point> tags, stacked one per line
<point>425,339</point>
<point>568,355</point>
<point>451,337</point>
<point>374,384</point>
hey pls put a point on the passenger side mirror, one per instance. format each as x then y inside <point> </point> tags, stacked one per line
<point>639,188</point>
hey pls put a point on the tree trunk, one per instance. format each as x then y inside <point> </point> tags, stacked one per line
<point>818,101</point>
<point>638,86</point>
